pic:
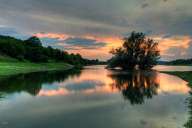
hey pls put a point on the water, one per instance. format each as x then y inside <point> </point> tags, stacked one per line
<point>173,68</point>
<point>94,97</point>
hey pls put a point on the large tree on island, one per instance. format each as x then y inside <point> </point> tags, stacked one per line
<point>136,51</point>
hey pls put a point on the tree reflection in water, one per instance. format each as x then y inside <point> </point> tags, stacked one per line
<point>32,83</point>
<point>136,86</point>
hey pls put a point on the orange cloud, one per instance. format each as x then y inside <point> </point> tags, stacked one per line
<point>60,91</point>
<point>101,53</point>
<point>111,41</point>
<point>114,42</point>
<point>52,35</point>
<point>178,41</point>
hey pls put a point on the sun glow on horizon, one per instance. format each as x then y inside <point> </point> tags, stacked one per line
<point>165,44</point>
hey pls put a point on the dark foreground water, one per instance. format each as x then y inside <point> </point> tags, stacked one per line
<point>94,98</point>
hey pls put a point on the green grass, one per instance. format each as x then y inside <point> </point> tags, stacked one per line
<point>4,58</point>
<point>12,68</point>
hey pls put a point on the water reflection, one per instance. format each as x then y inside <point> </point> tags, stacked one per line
<point>93,98</point>
<point>32,82</point>
<point>137,85</point>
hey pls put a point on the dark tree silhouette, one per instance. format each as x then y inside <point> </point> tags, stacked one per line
<point>136,86</point>
<point>32,50</point>
<point>137,51</point>
<point>32,82</point>
<point>34,41</point>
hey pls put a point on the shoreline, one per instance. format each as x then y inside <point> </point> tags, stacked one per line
<point>185,75</point>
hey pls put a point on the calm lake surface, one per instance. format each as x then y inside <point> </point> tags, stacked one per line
<point>95,98</point>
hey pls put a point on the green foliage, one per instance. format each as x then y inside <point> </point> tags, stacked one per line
<point>137,50</point>
<point>4,58</point>
<point>179,62</point>
<point>11,47</point>
<point>32,50</point>
<point>33,42</point>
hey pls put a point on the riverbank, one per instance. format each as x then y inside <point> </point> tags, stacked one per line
<point>185,75</point>
<point>13,68</point>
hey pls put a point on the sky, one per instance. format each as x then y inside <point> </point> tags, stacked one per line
<point>93,27</point>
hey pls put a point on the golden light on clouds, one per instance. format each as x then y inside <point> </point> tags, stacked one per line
<point>113,42</point>
<point>101,52</point>
<point>173,42</point>
<point>182,41</point>
<point>60,91</point>
<point>52,35</point>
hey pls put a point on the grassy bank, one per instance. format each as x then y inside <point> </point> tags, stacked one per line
<point>12,68</point>
<point>185,75</point>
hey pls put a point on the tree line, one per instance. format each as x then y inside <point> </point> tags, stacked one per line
<point>176,62</point>
<point>32,50</point>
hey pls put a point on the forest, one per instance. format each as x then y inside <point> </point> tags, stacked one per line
<point>32,50</point>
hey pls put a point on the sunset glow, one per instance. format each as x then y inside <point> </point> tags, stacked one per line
<point>96,63</point>
<point>94,28</point>
<point>165,45</point>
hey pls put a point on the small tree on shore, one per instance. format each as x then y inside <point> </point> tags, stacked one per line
<point>137,51</point>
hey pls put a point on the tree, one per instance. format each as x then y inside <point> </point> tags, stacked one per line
<point>34,41</point>
<point>11,47</point>
<point>32,50</point>
<point>137,51</point>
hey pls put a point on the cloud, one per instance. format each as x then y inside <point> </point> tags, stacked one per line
<point>178,53</point>
<point>144,5</point>
<point>84,43</point>
<point>52,36</point>
<point>167,36</point>
<point>97,17</point>
<point>8,31</point>
<point>60,20</point>
<point>98,48</point>
<point>175,47</point>
<point>171,47</point>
